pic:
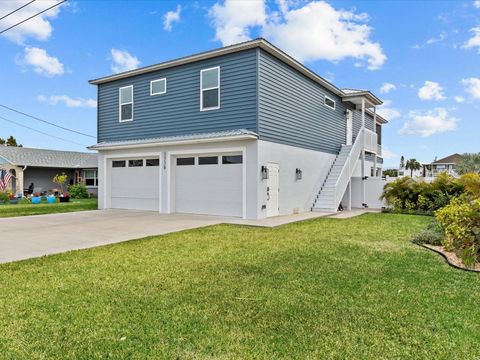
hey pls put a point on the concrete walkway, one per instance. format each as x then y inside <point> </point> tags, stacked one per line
<point>32,236</point>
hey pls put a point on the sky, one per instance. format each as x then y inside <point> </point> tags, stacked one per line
<point>422,58</point>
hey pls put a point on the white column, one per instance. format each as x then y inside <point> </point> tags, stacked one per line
<point>363,151</point>
<point>349,207</point>
<point>375,129</point>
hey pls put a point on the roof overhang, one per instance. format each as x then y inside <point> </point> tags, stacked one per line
<point>356,98</point>
<point>380,119</point>
<point>257,43</point>
<point>170,141</point>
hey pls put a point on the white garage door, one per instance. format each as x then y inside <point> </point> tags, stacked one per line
<point>209,184</point>
<point>134,183</point>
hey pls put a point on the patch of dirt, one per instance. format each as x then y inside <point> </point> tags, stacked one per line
<point>452,258</point>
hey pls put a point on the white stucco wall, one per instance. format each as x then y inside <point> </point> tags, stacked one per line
<point>294,195</point>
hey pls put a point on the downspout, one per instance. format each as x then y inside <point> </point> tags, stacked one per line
<point>363,152</point>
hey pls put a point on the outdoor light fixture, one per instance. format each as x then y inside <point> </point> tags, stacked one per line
<point>298,174</point>
<point>264,172</point>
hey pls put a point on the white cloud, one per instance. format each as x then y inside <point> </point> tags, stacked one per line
<point>428,123</point>
<point>234,19</point>
<point>309,33</point>
<point>319,31</point>
<point>68,101</point>
<point>476,4</point>
<point>459,99</point>
<point>171,17</point>
<point>431,90</point>
<point>123,61</point>
<point>386,111</point>
<point>38,28</point>
<point>474,41</point>
<point>387,87</point>
<point>472,87</point>
<point>42,63</point>
<point>387,153</point>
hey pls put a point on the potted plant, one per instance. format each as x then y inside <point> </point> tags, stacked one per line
<point>64,198</point>
<point>36,198</point>
<point>51,199</point>
<point>12,199</point>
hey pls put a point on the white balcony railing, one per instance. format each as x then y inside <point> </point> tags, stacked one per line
<point>370,141</point>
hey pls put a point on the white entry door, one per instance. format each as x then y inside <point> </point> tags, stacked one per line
<point>272,189</point>
<point>349,132</point>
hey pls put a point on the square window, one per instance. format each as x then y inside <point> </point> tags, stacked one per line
<point>185,161</point>
<point>232,159</point>
<point>118,163</point>
<point>152,162</point>
<point>158,87</point>
<point>135,163</point>
<point>208,160</point>
<point>329,102</point>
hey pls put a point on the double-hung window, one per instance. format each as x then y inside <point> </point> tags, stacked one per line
<point>126,103</point>
<point>210,89</point>
<point>91,178</point>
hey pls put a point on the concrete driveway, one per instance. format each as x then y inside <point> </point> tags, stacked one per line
<point>33,236</point>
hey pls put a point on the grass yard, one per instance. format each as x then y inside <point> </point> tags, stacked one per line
<point>7,210</point>
<point>324,288</point>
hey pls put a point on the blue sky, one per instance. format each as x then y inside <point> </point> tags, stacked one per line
<point>422,58</point>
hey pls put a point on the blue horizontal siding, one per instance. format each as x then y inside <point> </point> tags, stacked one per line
<point>292,110</point>
<point>178,111</point>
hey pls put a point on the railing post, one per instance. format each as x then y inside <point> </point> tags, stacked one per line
<point>363,150</point>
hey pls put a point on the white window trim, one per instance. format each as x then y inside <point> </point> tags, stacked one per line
<point>95,178</point>
<point>120,104</point>
<point>210,88</point>
<point>329,98</point>
<point>158,93</point>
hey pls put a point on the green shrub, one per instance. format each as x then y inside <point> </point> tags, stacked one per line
<point>410,196</point>
<point>4,198</point>
<point>432,235</point>
<point>461,223</point>
<point>78,191</point>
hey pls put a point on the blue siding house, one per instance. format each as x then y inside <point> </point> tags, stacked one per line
<point>221,132</point>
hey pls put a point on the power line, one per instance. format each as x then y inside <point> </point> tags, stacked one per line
<point>41,132</point>
<point>47,122</point>
<point>14,11</point>
<point>31,17</point>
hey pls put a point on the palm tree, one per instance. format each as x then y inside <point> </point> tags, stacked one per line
<point>412,164</point>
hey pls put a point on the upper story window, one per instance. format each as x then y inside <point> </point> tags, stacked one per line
<point>158,87</point>
<point>210,89</point>
<point>329,102</point>
<point>126,103</point>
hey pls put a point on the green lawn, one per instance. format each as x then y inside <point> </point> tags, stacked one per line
<point>44,208</point>
<point>324,288</point>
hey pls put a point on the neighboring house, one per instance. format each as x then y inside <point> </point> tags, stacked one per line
<point>243,131</point>
<point>402,172</point>
<point>39,166</point>
<point>447,164</point>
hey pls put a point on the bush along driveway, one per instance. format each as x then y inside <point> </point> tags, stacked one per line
<point>325,288</point>
<point>8,210</point>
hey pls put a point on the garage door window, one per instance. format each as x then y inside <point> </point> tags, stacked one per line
<point>118,163</point>
<point>208,160</point>
<point>152,162</point>
<point>135,163</point>
<point>232,159</point>
<point>185,161</point>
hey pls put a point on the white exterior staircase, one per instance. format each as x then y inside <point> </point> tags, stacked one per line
<point>335,184</point>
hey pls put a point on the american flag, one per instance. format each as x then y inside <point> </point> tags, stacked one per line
<point>5,178</point>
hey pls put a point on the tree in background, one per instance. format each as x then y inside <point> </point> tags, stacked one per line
<point>11,141</point>
<point>402,162</point>
<point>412,164</point>
<point>470,163</point>
<point>390,172</point>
